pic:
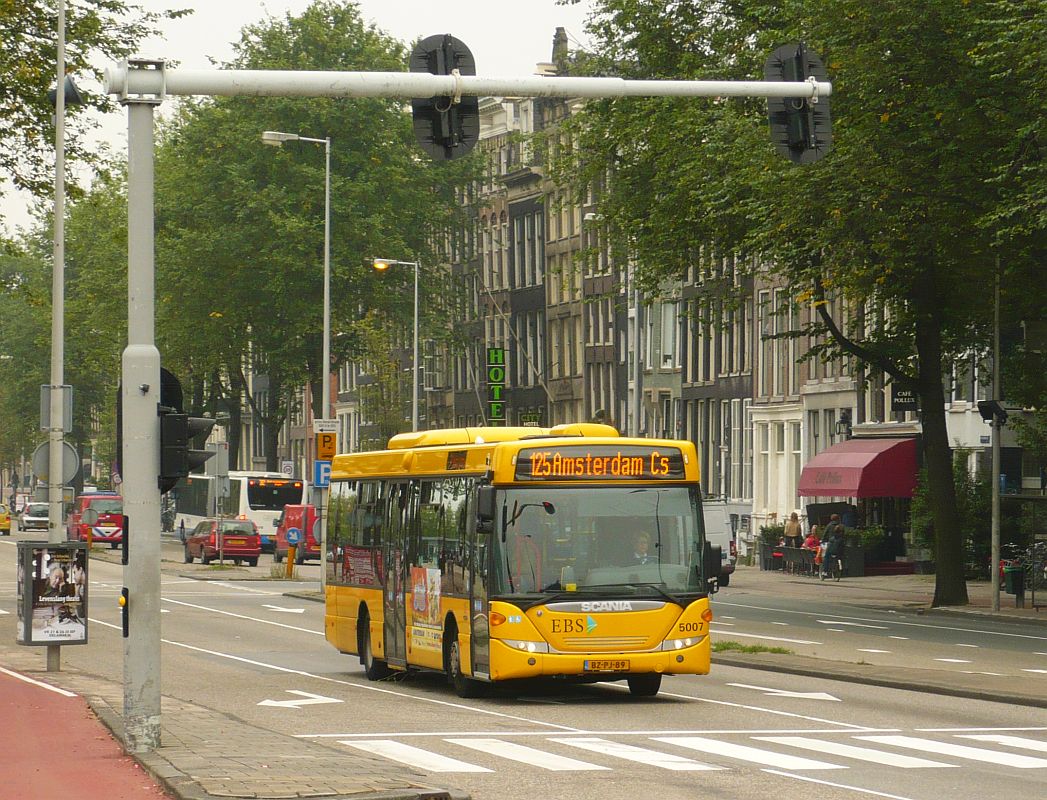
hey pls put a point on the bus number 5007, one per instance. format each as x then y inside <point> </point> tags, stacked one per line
<point>690,627</point>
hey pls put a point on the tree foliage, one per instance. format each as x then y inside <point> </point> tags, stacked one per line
<point>96,31</point>
<point>925,188</point>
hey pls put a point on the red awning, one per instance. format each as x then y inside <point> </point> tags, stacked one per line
<point>861,468</point>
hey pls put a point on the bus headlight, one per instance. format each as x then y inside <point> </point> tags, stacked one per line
<point>527,647</point>
<point>680,644</point>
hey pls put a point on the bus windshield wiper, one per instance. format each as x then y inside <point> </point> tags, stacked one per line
<point>657,587</point>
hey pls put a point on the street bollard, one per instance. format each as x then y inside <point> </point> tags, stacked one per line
<point>291,552</point>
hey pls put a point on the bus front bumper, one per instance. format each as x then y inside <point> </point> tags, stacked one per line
<point>514,660</point>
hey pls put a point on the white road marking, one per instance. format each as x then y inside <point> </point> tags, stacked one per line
<point>3,613</point>
<point>41,684</point>
<point>953,660</point>
<point>871,650</point>
<point>997,757</point>
<point>746,753</point>
<point>1039,671</point>
<point>640,755</point>
<point>977,672</point>
<point>245,588</point>
<point>545,734</point>
<point>527,755</point>
<point>809,779</point>
<point>308,699</point>
<point>851,751</point>
<point>770,638</point>
<point>241,616</point>
<point>787,692</point>
<point>1012,741</point>
<point>284,609</point>
<point>975,646</point>
<point>415,756</point>
<point>903,638</point>
<point>785,624</point>
<point>852,624</point>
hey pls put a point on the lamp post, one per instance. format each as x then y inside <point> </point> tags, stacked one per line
<point>382,264</point>
<point>276,139</point>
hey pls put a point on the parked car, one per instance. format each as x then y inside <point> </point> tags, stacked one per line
<point>302,518</point>
<point>35,517</point>
<point>239,542</point>
<point>720,530</point>
<point>107,529</point>
<point>5,521</point>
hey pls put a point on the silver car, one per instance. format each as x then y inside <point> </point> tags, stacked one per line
<point>34,517</point>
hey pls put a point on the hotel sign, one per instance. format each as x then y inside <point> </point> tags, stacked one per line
<point>496,386</point>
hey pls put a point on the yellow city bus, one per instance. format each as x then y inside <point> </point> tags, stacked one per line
<point>495,554</point>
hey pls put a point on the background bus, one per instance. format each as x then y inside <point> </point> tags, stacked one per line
<point>514,553</point>
<point>257,496</point>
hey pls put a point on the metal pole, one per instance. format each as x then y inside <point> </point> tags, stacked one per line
<point>55,430</point>
<point>141,450</point>
<point>995,547</point>
<point>637,365</point>
<point>414,359</point>
<point>325,412</point>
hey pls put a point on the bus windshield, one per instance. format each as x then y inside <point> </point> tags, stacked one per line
<point>617,539</point>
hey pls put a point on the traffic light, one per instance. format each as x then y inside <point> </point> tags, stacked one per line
<point>177,431</point>
<point>445,127</point>
<point>801,127</point>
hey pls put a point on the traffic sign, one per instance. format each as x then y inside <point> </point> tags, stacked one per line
<point>294,536</point>
<point>326,445</point>
<point>325,426</point>
<point>321,474</point>
<point>42,466</point>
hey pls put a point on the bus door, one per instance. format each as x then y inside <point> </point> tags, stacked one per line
<point>479,605</point>
<point>401,503</point>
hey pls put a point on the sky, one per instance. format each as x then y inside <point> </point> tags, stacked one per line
<point>507,39</point>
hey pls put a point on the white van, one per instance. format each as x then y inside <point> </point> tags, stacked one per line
<point>720,531</point>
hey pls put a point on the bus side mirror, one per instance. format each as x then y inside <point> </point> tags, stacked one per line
<point>712,560</point>
<point>485,507</point>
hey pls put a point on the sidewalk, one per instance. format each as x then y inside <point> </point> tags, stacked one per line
<point>908,593</point>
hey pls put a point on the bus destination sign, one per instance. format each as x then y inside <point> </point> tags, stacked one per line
<point>600,462</point>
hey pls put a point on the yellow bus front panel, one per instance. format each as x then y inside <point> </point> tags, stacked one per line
<point>598,643</point>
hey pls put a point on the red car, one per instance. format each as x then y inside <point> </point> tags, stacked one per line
<point>108,528</point>
<point>302,519</point>
<point>239,542</point>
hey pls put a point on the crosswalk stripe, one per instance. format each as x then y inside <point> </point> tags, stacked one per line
<point>1012,741</point>
<point>641,755</point>
<point>526,755</point>
<point>746,753</point>
<point>851,751</point>
<point>961,751</point>
<point>414,756</point>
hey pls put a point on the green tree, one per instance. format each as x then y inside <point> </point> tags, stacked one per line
<point>96,31</point>
<point>903,221</point>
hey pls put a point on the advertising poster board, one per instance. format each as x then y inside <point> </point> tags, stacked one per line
<point>52,593</point>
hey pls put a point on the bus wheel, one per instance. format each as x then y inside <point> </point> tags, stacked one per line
<point>463,686</point>
<point>374,668</point>
<point>646,685</point>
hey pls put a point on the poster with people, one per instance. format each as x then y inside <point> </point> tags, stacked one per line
<point>55,582</point>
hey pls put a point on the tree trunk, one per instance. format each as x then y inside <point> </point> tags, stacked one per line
<point>950,588</point>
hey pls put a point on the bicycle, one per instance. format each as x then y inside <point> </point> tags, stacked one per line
<point>832,568</point>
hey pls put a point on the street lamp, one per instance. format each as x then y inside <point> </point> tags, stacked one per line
<point>276,139</point>
<point>381,265</point>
